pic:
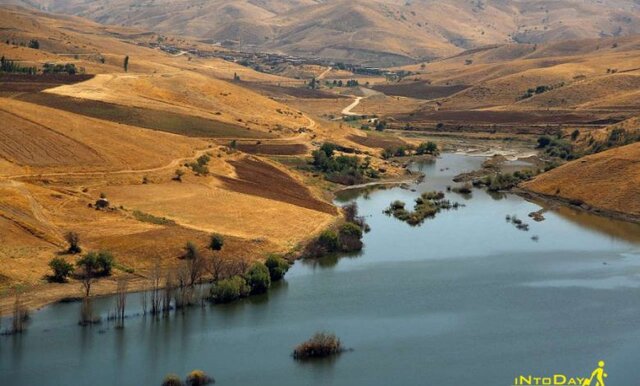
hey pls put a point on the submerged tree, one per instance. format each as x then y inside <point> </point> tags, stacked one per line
<point>20,314</point>
<point>121,302</point>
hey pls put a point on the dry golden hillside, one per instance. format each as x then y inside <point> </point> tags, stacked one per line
<point>533,88</point>
<point>382,32</point>
<point>68,139</point>
<point>608,181</point>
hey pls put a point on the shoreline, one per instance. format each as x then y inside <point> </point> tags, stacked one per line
<point>529,194</point>
<point>43,295</point>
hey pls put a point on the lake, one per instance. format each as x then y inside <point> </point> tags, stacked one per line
<point>464,299</point>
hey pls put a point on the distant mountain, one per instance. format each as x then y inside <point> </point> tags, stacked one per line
<point>377,32</point>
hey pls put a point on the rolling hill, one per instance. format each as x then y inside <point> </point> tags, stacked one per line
<point>69,138</point>
<point>378,32</point>
<point>607,181</point>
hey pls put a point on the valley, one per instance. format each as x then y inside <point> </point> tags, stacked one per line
<point>186,143</point>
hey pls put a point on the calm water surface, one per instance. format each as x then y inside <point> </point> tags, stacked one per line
<point>464,299</point>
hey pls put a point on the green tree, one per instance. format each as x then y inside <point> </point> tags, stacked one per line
<point>61,269</point>
<point>258,278</point>
<point>33,43</point>
<point>277,266</point>
<point>126,63</point>
<point>105,263</point>
<point>95,264</point>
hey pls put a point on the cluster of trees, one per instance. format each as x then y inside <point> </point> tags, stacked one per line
<point>91,265</point>
<point>404,150</point>
<point>342,169</point>
<point>340,83</point>
<point>505,181</point>
<point>426,206</point>
<point>33,43</point>
<point>346,238</point>
<point>256,280</point>
<point>51,68</point>
<point>10,66</point>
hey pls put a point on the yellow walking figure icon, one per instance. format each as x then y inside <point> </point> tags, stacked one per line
<point>597,375</point>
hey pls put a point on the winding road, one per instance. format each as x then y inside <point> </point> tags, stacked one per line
<point>347,110</point>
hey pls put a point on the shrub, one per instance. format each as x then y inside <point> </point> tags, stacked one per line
<point>216,243</point>
<point>543,142</point>
<point>228,290</point>
<point>277,267</point>
<point>427,148</point>
<point>201,170</point>
<point>172,380</point>
<point>329,240</point>
<point>198,378</point>
<point>258,278</point>
<point>149,218</point>
<point>61,269</point>
<point>320,345</point>
<point>464,189</point>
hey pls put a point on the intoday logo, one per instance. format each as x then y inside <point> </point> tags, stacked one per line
<point>596,379</point>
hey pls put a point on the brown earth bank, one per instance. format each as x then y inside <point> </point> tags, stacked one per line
<point>273,148</point>
<point>607,182</point>
<point>265,180</point>
<point>419,90</point>
<point>297,92</point>
<point>19,83</point>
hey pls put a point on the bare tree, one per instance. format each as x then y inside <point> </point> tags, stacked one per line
<point>86,310</point>
<point>168,292</point>
<point>195,263</point>
<point>121,302</point>
<point>216,267</point>
<point>155,289</point>
<point>184,296</point>
<point>20,315</point>
<point>143,300</point>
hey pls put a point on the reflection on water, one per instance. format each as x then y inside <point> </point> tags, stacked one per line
<point>464,299</point>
